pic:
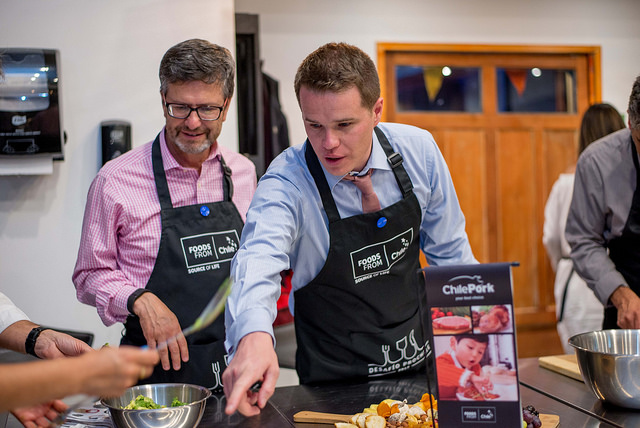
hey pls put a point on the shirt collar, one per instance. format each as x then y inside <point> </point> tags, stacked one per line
<point>169,162</point>
<point>377,160</point>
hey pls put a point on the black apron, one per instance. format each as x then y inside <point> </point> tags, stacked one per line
<point>624,250</point>
<point>194,257</point>
<point>359,317</point>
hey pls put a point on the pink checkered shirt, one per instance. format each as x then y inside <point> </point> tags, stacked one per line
<point>122,225</point>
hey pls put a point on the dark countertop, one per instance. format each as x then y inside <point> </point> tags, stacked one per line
<point>573,393</point>
<point>352,398</point>
<point>547,391</point>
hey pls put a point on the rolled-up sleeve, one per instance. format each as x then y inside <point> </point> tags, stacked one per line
<point>96,276</point>
<point>585,230</point>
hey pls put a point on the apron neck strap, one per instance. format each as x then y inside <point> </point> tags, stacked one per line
<point>321,183</point>
<point>394,159</point>
<point>161,178</point>
<point>228,183</point>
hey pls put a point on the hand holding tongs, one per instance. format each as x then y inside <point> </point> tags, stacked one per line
<point>209,314</point>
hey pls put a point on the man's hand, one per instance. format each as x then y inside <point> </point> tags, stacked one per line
<point>53,344</point>
<point>628,304</point>
<point>159,324</point>
<point>255,360</point>
<point>39,416</point>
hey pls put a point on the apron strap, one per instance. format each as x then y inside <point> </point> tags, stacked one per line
<point>564,295</point>
<point>161,178</point>
<point>228,183</point>
<point>395,161</point>
<point>321,183</point>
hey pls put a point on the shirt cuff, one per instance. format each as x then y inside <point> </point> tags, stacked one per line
<point>133,297</point>
<point>608,284</point>
<point>249,321</point>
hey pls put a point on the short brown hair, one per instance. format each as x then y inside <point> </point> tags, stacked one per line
<point>198,60</point>
<point>336,67</point>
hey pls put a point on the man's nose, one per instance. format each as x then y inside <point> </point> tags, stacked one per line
<point>330,140</point>
<point>193,120</point>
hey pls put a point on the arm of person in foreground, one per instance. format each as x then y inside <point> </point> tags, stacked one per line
<point>49,344</point>
<point>254,360</point>
<point>107,372</point>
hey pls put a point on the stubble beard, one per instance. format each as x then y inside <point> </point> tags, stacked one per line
<point>193,149</point>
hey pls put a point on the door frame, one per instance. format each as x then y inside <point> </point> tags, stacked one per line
<point>591,52</point>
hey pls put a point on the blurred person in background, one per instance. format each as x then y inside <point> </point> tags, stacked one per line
<point>603,226</point>
<point>577,308</point>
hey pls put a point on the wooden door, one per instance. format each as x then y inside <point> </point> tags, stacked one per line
<point>503,162</point>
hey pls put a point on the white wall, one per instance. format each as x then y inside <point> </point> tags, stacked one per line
<point>290,30</point>
<point>110,52</point>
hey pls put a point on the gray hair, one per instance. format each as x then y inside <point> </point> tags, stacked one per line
<point>198,59</point>
<point>634,105</point>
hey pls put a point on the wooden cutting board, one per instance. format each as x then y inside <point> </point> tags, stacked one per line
<point>563,364</point>
<point>548,421</point>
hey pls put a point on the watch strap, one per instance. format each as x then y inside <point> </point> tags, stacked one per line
<point>32,338</point>
<point>133,297</point>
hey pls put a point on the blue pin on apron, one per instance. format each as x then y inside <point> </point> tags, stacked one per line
<point>188,272</point>
<point>368,266</point>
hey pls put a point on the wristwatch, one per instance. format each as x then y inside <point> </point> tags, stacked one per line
<point>133,297</point>
<point>32,338</point>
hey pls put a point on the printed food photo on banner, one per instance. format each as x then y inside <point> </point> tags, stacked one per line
<point>451,320</point>
<point>492,319</point>
<point>476,367</point>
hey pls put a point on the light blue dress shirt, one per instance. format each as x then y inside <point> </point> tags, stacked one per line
<point>287,226</point>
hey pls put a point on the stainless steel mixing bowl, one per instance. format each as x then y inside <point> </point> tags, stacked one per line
<point>609,362</point>
<point>187,416</point>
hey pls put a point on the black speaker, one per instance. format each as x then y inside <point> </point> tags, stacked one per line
<point>116,139</point>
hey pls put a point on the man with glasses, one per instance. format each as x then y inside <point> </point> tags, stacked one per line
<point>603,225</point>
<point>163,221</point>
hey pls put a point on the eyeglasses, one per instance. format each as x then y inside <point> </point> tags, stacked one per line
<point>182,111</point>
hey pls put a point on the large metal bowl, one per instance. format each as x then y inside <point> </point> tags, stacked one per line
<point>609,362</point>
<point>187,416</point>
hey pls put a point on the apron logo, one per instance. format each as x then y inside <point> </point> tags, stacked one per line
<point>406,355</point>
<point>377,259</point>
<point>206,251</point>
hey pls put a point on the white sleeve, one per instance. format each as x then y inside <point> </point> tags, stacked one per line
<point>9,313</point>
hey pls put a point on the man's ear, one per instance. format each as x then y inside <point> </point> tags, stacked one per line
<point>377,110</point>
